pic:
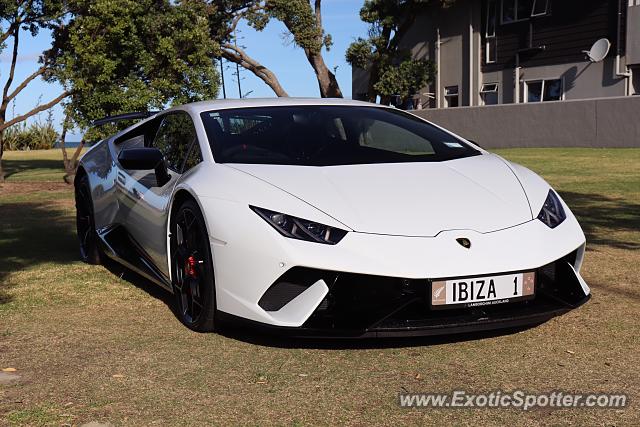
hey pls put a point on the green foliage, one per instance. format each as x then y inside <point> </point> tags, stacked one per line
<point>297,15</point>
<point>392,69</point>
<point>360,53</point>
<point>32,14</point>
<point>132,55</point>
<point>405,79</point>
<point>303,20</point>
<point>300,20</point>
<point>35,136</point>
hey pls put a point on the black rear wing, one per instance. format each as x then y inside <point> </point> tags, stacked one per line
<point>127,116</point>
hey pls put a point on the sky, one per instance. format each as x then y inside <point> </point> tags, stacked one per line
<point>270,47</point>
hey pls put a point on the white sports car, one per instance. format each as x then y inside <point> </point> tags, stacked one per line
<point>328,217</point>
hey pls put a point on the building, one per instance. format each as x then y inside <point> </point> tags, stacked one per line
<point>490,52</point>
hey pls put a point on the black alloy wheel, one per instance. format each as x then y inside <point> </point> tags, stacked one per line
<point>85,224</point>
<point>192,268</point>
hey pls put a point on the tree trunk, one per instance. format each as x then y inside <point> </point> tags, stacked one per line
<point>327,81</point>
<point>374,76</point>
<point>385,100</point>
<point>1,153</point>
<point>70,164</point>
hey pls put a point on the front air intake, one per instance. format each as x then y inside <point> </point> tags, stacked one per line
<point>291,284</point>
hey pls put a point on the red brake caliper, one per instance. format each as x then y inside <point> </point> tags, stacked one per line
<point>190,267</point>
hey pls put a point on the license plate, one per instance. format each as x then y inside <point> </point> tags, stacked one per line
<point>482,291</point>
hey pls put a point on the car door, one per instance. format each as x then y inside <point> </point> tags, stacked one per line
<point>149,203</point>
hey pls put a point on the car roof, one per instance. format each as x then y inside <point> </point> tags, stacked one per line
<point>195,108</point>
<point>225,104</point>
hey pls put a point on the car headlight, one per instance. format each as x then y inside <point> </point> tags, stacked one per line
<point>301,229</point>
<point>552,212</point>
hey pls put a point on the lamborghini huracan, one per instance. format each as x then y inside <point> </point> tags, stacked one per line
<point>327,218</point>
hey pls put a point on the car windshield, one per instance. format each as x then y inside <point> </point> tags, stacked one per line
<point>327,136</point>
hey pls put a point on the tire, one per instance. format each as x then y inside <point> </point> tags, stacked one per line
<point>192,269</point>
<point>85,223</point>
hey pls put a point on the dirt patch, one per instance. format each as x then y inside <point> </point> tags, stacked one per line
<point>33,187</point>
<point>8,378</point>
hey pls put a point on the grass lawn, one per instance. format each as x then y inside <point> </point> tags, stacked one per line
<point>93,344</point>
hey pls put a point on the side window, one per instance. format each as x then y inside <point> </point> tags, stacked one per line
<point>127,142</point>
<point>194,157</point>
<point>174,138</point>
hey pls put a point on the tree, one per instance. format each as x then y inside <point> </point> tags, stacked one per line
<point>304,22</point>
<point>392,70</point>
<point>224,17</point>
<point>404,80</point>
<point>17,17</point>
<point>302,19</point>
<point>131,55</point>
<point>70,163</point>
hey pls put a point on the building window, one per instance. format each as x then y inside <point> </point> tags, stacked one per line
<point>489,94</point>
<point>544,90</point>
<point>451,96</point>
<point>540,7</point>
<point>491,18</point>
<point>635,80</point>
<point>490,33</point>
<point>508,11</point>
<point>519,10</point>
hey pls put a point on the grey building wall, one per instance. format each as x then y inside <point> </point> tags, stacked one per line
<point>605,122</point>
<point>582,80</point>
<point>461,60</point>
<point>633,33</point>
<point>359,82</point>
<point>459,50</point>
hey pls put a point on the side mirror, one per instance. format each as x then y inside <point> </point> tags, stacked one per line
<point>145,159</point>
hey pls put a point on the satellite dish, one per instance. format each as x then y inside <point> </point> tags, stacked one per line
<point>599,50</point>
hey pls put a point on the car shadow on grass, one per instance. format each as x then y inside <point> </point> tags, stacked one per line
<point>606,221</point>
<point>140,282</point>
<point>32,234</point>
<point>256,337</point>
<point>12,167</point>
<point>36,233</point>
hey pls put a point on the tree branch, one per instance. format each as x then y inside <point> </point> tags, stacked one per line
<point>17,21</point>
<point>240,14</point>
<point>9,32</point>
<point>401,31</point>
<point>14,59</point>
<point>318,12</point>
<point>26,81</point>
<point>238,56</point>
<point>35,111</point>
